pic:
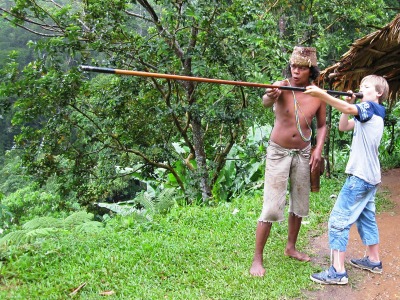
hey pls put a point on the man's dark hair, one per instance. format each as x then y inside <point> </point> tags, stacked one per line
<point>314,72</point>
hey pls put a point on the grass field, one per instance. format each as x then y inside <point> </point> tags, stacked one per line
<point>191,252</point>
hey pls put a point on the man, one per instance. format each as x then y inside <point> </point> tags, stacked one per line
<point>289,154</point>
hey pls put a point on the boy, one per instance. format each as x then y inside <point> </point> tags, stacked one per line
<point>355,203</point>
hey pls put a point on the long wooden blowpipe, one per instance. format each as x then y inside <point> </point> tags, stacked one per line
<point>202,79</point>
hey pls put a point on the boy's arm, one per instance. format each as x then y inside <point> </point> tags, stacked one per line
<point>344,107</point>
<point>345,124</point>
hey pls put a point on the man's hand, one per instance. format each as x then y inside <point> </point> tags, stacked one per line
<point>270,97</point>
<point>315,159</point>
<point>273,93</point>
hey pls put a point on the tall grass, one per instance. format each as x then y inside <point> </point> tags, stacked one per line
<point>192,252</point>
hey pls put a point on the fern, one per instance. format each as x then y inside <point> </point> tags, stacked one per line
<point>148,204</point>
<point>14,237</point>
<point>78,218</point>
<point>26,236</point>
<point>166,200</point>
<point>89,227</point>
<point>43,222</point>
<point>43,227</point>
<point>32,235</point>
<point>144,205</point>
<point>122,208</point>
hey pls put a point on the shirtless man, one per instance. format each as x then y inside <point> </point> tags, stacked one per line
<point>289,156</point>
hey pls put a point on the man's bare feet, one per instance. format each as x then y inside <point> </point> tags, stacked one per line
<point>297,255</point>
<point>257,269</point>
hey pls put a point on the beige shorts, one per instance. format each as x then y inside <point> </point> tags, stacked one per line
<point>283,166</point>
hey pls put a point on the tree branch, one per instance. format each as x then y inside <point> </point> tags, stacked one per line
<point>161,30</point>
<point>156,164</point>
<point>138,16</point>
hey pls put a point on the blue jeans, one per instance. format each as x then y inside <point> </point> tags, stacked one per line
<point>355,203</point>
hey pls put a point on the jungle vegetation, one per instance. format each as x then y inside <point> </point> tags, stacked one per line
<point>73,141</point>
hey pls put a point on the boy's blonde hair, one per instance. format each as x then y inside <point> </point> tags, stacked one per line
<point>381,85</point>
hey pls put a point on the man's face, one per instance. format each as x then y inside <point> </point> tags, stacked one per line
<point>300,74</point>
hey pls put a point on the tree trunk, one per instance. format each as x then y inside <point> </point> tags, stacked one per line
<point>202,170</point>
<point>198,143</point>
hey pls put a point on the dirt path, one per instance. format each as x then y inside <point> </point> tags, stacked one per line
<point>364,284</point>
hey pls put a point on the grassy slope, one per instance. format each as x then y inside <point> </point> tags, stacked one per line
<point>190,253</point>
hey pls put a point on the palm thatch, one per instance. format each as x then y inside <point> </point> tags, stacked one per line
<point>377,53</point>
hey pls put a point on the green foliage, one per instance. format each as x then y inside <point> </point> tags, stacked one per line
<point>13,174</point>
<point>14,39</point>
<point>89,227</point>
<point>390,146</point>
<point>193,252</point>
<point>146,204</point>
<point>30,201</point>
<point>42,222</point>
<point>77,218</point>
<point>46,227</point>
<point>77,131</point>
<point>26,236</point>
<point>5,215</point>
<point>75,128</point>
<point>245,165</point>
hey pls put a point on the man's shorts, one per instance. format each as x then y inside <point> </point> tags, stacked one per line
<point>283,165</point>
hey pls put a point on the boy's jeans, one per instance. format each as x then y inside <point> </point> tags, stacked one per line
<point>355,203</point>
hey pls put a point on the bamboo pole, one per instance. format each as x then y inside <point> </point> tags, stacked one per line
<point>203,79</point>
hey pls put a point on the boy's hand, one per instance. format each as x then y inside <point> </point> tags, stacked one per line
<point>348,99</point>
<point>314,91</point>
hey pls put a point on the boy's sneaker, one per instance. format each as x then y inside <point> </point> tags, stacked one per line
<point>365,264</point>
<point>330,276</point>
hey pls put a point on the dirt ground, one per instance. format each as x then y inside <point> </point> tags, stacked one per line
<point>363,284</point>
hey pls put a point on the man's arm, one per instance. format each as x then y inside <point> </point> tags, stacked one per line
<point>268,100</point>
<point>321,127</point>
<point>320,140</point>
<point>271,96</point>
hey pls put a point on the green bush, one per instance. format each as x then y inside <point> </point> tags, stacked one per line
<point>5,215</point>
<point>29,202</point>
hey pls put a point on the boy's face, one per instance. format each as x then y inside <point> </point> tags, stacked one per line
<point>369,92</point>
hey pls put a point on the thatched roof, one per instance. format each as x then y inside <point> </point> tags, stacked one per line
<point>377,53</point>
